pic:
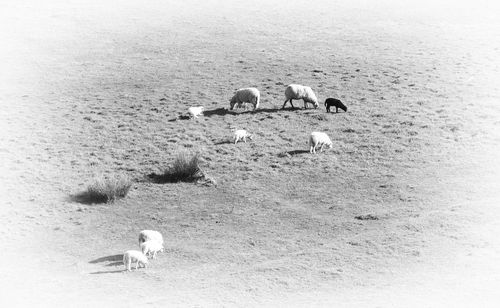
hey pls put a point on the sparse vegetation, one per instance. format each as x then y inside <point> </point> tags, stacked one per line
<point>104,190</point>
<point>185,168</point>
<point>321,117</point>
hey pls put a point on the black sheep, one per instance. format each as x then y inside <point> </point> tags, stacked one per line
<point>329,102</point>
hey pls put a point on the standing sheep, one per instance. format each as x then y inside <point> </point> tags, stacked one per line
<point>246,95</point>
<point>134,256</point>
<point>147,235</point>
<point>319,139</point>
<point>241,134</point>
<point>296,91</point>
<point>333,102</point>
<point>151,247</point>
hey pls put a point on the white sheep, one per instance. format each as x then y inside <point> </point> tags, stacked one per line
<point>296,91</point>
<point>241,134</point>
<point>151,247</point>
<point>134,256</point>
<point>246,95</point>
<point>194,112</point>
<point>319,139</point>
<point>147,235</point>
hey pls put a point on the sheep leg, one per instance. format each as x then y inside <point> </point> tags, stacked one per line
<point>284,104</point>
<point>245,139</point>
<point>128,265</point>
<point>313,148</point>
<point>305,104</point>
<point>236,139</point>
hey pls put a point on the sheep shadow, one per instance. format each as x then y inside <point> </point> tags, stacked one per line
<point>292,153</point>
<point>113,258</point>
<point>218,111</point>
<point>115,263</point>
<point>180,117</point>
<point>225,111</point>
<point>108,272</point>
<point>87,198</point>
<point>227,141</point>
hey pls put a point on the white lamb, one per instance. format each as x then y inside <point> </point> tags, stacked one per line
<point>194,112</point>
<point>246,95</point>
<point>151,247</point>
<point>147,235</point>
<point>319,139</point>
<point>241,134</point>
<point>296,91</point>
<point>134,256</point>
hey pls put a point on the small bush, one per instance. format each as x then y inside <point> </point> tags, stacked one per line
<point>185,168</point>
<point>104,190</point>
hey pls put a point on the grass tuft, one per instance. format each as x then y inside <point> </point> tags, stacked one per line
<point>105,190</point>
<point>185,168</point>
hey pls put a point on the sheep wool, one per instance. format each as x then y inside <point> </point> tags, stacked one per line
<point>319,139</point>
<point>296,91</point>
<point>241,134</point>
<point>147,235</point>
<point>134,256</point>
<point>194,112</point>
<point>246,95</point>
<point>151,247</point>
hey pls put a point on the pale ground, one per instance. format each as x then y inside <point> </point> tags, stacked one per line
<point>90,88</point>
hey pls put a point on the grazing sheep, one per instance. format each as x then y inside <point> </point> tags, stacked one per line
<point>329,102</point>
<point>151,247</point>
<point>319,139</point>
<point>246,95</point>
<point>194,112</point>
<point>134,256</point>
<point>241,134</point>
<point>148,235</point>
<point>296,91</point>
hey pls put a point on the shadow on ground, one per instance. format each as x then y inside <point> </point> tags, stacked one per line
<point>87,198</point>
<point>113,258</point>
<point>292,153</point>
<point>225,111</point>
<point>222,142</point>
<point>108,272</point>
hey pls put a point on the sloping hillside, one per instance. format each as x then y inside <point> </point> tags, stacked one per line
<point>403,203</point>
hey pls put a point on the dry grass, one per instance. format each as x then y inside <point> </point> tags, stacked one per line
<point>185,168</point>
<point>105,190</point>
<point>92,92</point>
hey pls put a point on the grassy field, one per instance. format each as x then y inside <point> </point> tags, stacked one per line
<point>402,211</point>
